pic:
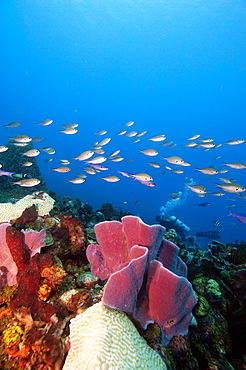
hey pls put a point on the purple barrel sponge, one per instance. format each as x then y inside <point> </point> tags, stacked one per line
<point>145,275</point>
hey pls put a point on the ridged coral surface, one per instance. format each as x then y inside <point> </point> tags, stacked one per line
<point>104,338</point>
<point>11,211</point>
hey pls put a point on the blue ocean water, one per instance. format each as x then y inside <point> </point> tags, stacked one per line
<point>174,67</point>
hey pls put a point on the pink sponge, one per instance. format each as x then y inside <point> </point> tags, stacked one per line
<point>145,275</point>
<point>17,247</point>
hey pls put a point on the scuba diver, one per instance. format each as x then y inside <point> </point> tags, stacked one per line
<point>172,222</point>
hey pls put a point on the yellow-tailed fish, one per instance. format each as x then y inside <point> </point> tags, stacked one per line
<point>231,188</point>
<point>32,153</point>
<point>82,175</point>
<point>27,182</point>
<point>198,189</point>
<point>174,159</point>
<point>136,141</point>
<point>22,138</point>
<point>207,170</point>
<point>142,177</point>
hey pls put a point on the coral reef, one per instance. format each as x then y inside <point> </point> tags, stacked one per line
<point>102,337</point>
<point>55,284</point>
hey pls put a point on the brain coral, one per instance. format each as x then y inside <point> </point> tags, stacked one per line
<point>11,211</point>
<point>104,338</point>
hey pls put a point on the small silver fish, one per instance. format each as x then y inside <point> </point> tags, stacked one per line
<point>77,180</point>
<point>12,125</point>
<point>101,132</point>
<point>149,152</point>
<point>70,125</point>
<point>69,131</point>
<point>128,124</point>
<point>111,178</point>
<point>46,122</point>
<point>234,142</point>
<point>235,165</point>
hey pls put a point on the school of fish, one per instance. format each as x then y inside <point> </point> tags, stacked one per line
<point>94,158</point>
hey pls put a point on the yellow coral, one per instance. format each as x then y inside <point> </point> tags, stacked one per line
<point>44,292</point>
<point>12,336</point>
<point>43,202</point>
<point>105,338</point>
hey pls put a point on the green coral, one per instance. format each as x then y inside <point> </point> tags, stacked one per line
<point>213,290</point>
